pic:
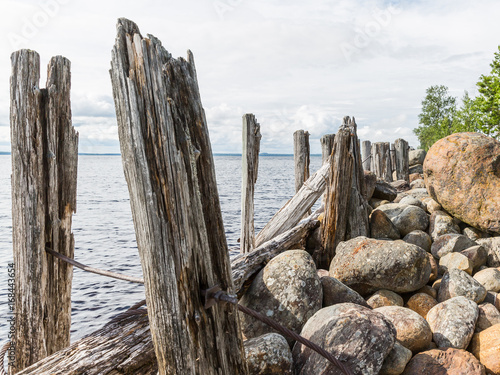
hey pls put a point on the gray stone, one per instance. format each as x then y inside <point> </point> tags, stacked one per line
<point>412,331</point>
<point>382,227</point>
<point>450,243</point>
<point>406,218</point>
<point>419,193</point>
<point>419,238</point>
<point>492,247</point>
<point>474,234</point>
<point>383,190</point>
<point>458,283</point>
<point>268,354</point>
<point>452,322</point>
<point>418,184</point>
<point>370,182</point>
<point>446,361</point>
<point>416,157</point>
<point>287,290</point>
<point>335,292</point>
<point>431,205</point>
<point>418,168</point>
<point>455,260</point>
<point>488,316</point>
<point>370,335</point>
<point>441,223</point>
<point>477,255</point>
<point>396,360</point>
<point>489,278</point>
<point>409,200</point>
<point>384,297</point>
<point>366,265</point>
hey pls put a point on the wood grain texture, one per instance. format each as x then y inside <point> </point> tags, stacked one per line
<point>169,169</point>
<point>44,168</point>
<point>402,159</point>
<point>301,157</point>
<point>326,146</point>
<point>294,210</point>
<point>123,347</point>
<point>249,171</point>
<point>338,191</point>
<point>366,150</point>
<point>381,161</point>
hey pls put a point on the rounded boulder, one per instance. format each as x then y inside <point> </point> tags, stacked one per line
<point>462,173</point>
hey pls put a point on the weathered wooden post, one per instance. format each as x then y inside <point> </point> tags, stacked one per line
<point>381,161</point>
<point>338,192</point>
<point>393,160</point>
<point>326,146</point>
<point>169,169</point>
<point>249,169</point>
<point>301,157</point>
<point>44,166</point>
<point>402,160</point>
<point>366,153</point>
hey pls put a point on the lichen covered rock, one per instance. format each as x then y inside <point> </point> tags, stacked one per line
<point>462,173</point>
<point>268,354</point>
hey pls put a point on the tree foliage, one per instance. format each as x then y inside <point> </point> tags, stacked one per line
<point>440,116</point>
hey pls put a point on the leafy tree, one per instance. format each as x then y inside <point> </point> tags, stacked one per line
<point>437,118</point>
<point>487,103</point>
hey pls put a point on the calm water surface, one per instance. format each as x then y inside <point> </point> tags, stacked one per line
<point>104,232</point>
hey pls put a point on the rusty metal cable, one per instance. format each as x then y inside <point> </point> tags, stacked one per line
<point>215,294</point>
<point>97,271</point>
<point>4,350</point>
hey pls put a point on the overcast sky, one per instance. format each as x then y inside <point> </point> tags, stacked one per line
<point>294,64</point>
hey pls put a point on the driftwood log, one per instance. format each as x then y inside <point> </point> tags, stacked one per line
<point>294,210</point>
<point>402,160</point>
<point>249,170</point>
<point>169,169</point>
<point>381,160</point>
<point>121,347</point>
<point>326,146</point>
<point>301,157</point>
<point>44,167</point>
<point>366,154</point>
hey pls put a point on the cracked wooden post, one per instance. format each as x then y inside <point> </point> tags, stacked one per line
<point>249,170</point>
<point>402,160</point>
<point>381,161</point>
<point>338,191</point>
<point>326,146</point>
<point>393,160</point>
<point>301,157</point>
<point>366,154</point>
<point>44,166</point>
<point>169,169</point>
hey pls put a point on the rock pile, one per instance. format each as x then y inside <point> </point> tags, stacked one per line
<point>417,297</point>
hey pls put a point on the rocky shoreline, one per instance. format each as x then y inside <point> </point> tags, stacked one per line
<point>417,296</point>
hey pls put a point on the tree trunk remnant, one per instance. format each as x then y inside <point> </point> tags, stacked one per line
<point>357,212</point>
<point>381,161</point>
<point>169,169</point>
<point>121,347</point>
<point>301,157</point>
<point>393,160</point>
<point>338,191</point>
<point>402,160</point>
<point>366,154</point>
<point>326,146</point>
<point>249,170</point>
<point>44,168</point>
<point>295,209</point>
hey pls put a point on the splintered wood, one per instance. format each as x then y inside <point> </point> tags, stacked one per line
<point>44,165</point>
<point>169,169</point>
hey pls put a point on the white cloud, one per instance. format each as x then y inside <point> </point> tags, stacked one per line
<point>286,62</point>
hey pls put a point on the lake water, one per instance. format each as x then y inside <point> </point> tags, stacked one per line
<point>104,232</point>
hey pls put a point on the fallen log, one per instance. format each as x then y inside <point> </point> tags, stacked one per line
<point>294,210</point>
<point>247,265</point>
<point>120,347</point>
